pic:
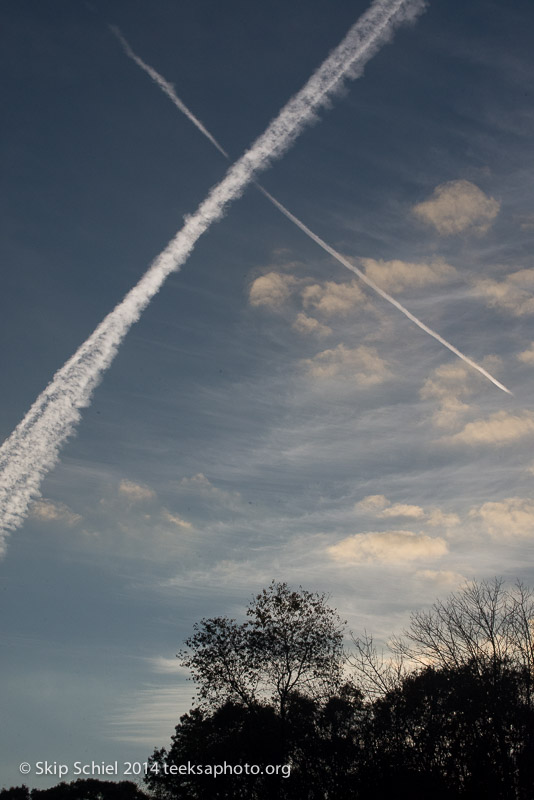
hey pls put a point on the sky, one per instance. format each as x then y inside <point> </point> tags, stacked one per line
<point>269,416</point>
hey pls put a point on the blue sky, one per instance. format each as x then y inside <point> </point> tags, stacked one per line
<point>268,416</point>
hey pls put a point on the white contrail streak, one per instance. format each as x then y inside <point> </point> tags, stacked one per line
<point>33,447</point>
<point>168,88</point>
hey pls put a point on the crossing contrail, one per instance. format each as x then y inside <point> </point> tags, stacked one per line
<point>169,90</point>
<point>33,447</point>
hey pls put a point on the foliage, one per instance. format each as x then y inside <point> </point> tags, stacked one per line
<point>292,642</point>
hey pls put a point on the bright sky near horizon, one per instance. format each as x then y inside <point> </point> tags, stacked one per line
<point>269,416</point>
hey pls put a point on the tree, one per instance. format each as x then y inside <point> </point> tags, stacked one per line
<point>291,643</point>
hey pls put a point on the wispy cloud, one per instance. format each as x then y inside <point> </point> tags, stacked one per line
<point>527,356</point>
<point>378,506</point>
<point>134,492</point>
<point>458,206</point>
<point>49,511</point>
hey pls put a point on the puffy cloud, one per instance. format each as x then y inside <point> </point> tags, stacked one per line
<point>527,356</point>
<point>372,503</point>
<point>513,294</point>
<point>510,518</point>
<point>271,290</point>
<point>403,510</point>
<point>332,299</point>
<point>390,546</point>
<point>447,384</point>
<point>439,518</point>
<point>174,519</point>
<point>379,506</point>
<point>48,511</point>
<point>135,493</point>
<point>394,276</point>
<point>363,364</point>
<point>458,206</point>
<point>499,428</point>
<point>306,324</point>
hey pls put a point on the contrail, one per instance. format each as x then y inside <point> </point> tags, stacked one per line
<point>169,90</point>
<point>33,447</point>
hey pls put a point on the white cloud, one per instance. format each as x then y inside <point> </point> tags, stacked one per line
<point>390,546</point>
<point>510,518</point>
<point>48,511</point>
<point>168,666</point>
<point>271,290</point>
<point>372,503</point>
<point>438,518</point>
<point>441,578</point>
<point>403,510</point>
<point>333,299</point>
<point>201,487</point>
<point>513,294</point>
<point>306,324</point>
<point>447,384</point>
<point>527,356</point>
<point>394,276</point>
<point>457,206</point>
<point>136,493</point>
<point>362,364</point>
<point>174,519</point>
<point>499,428</point>
<point>380,507</point>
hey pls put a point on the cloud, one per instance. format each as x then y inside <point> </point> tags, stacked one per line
<point>306,324</point>
<point>380,507</point>
<point>271,290</point>
<point>394,276</point>
<point>168,666</point>
<point>499,428</point>
<point>200,487</point>
<point>510,518</point>
<point>439,518</point>
<point>332,299</point>
<point>458,206</point>
<point>136,493</point>
<point>48,511</point>
<point>446,385</point>
<point>390,546</point>
<point>363,364</point>
<point>527,356</point>
<point>174,519</point>
<point>513,294</point>
<point>372,503</point>
<point>403,510</point>
<point>441,578</point>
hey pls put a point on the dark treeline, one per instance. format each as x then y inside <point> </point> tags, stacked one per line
<point>288,712</point>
